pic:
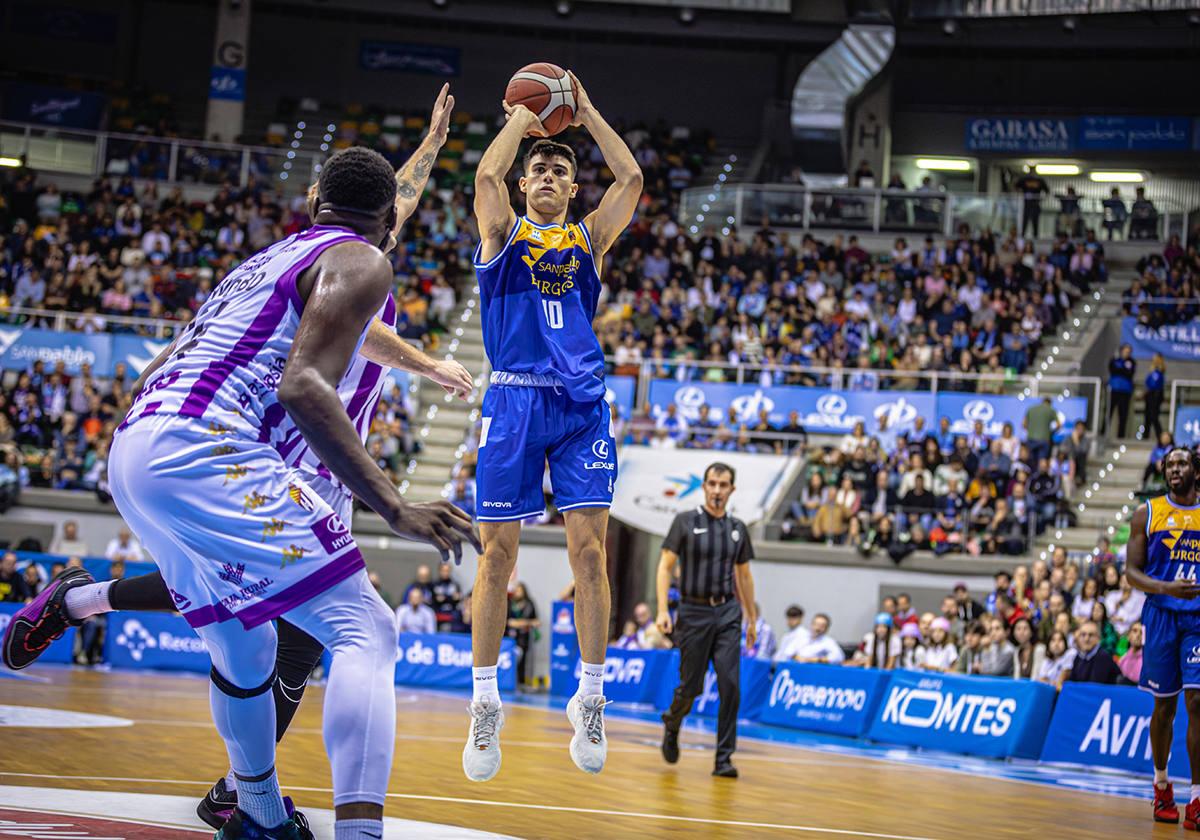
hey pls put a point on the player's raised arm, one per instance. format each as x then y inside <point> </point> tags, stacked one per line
<point>345,294</point>
<point>616,208</point>
<point>493,208</point>
<point>412,177</point>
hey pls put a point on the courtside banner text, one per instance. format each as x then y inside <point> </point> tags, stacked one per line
<point>754,682</point>
<point>1174,341</point>
<point>443,660</point>
<point>635,676</point>
<point>60,651</point>
<point>823,698</point>
<point>162,641</point>
<point>1109,726</point>
<point>656,484</point>
<point>988,716</point>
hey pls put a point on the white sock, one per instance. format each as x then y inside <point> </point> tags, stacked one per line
<point>231,780</point>
<point>1195,793</point>
<point>591,679</point>
<point>89,599</point>
<point>484,684</point>
<point>262,801</point>
<point>357,829</point>
<point>1160,777</point>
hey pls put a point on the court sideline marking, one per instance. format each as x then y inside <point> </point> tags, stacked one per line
<point>497,804</point>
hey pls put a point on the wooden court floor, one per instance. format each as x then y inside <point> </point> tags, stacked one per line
<point>784,791</point>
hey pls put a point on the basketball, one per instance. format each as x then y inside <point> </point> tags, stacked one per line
<point>545,89</point>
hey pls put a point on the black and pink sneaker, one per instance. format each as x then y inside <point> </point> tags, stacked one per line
<point>219,804</point>
<point>40,622</point>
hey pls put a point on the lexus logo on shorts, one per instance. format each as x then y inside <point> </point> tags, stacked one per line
<point>978,410</point>
<point>600,449</point>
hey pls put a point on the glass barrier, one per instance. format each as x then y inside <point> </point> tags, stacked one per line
<point>60,151</point>
<point>139,157</point>
<point>894,211</point>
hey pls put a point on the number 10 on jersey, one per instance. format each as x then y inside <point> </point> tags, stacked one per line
<point>554,313</point>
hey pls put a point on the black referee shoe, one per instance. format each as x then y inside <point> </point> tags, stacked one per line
<point>726,771</point>
<point>670,745</point>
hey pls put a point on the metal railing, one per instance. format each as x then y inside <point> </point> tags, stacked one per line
<point>168,159</point>
<point>1184,392</point>
<point>1038,8</point>
<point>89,322</point>
<point>911,212</point>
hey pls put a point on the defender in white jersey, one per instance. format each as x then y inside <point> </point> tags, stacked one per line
<point>199,456</point>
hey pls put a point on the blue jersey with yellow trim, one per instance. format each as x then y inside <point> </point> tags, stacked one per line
<point>539,298</point>
<point>1172,548</point>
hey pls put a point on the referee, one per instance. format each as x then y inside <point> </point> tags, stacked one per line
<point>714,576</point>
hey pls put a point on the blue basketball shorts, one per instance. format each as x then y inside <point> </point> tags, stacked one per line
<point>524,427</point>
<point>1171,657</point>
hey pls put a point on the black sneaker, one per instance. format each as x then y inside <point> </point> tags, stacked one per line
<point>41,621</point>
<point>726,771</point>
<point>217,807</point>
<point>241,827</point>
<point>670,745</point>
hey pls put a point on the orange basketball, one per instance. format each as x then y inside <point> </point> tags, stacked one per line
<point>546,90</point>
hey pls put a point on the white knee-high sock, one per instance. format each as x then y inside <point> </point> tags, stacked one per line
<point>248,727</point>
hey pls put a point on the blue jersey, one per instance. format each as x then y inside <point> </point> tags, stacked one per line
<point>539,297</point>
<point>1172,548</point>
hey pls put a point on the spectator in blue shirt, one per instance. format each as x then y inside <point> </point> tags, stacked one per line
<point>1120,386</point>
<point>1156,382</point>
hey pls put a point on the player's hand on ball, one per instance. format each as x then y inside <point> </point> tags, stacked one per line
<point>663,623</point>
<point>440,524</point>
<point>583,105</point>
<point>1185,589</point>
<point>520,112</point>
<point>454,378</point>
<point>439,120</point>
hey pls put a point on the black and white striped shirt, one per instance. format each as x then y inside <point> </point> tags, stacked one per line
<point>708,549</point>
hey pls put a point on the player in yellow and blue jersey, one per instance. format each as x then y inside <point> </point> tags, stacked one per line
<point>539,282</point>
<point>1162,559</point>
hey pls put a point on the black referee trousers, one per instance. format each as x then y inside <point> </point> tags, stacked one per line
<point>706,634</point>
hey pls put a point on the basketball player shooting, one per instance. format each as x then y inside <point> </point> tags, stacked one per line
<point>539,281</point>
<point>1161,560</point>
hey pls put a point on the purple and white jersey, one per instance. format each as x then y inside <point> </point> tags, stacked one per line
<point>360,391</point>
<point>227,363</point>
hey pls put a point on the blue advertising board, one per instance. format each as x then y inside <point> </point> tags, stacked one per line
<point>136,351</point>
<point>59,652</point>
<point>988,716</point>
<point>823,698</point>
<point>630,676</point>
<point>53,106</point>
<point>564,649</point>
<point>1174,341</point>
<point>162,641</point>
<point>620,391</point>
<point>409,58</point>
<point>996,410</point>
<point>1109,726</point>
<point>836,412</point>
<point>20,347</point>
<point>443,660</point>
<point>227,83</point>
<point>1142,134</point>
<point>1187,425</point>
<point>820,410</point>
<point>754,681</point>
<point>1019,134</point>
